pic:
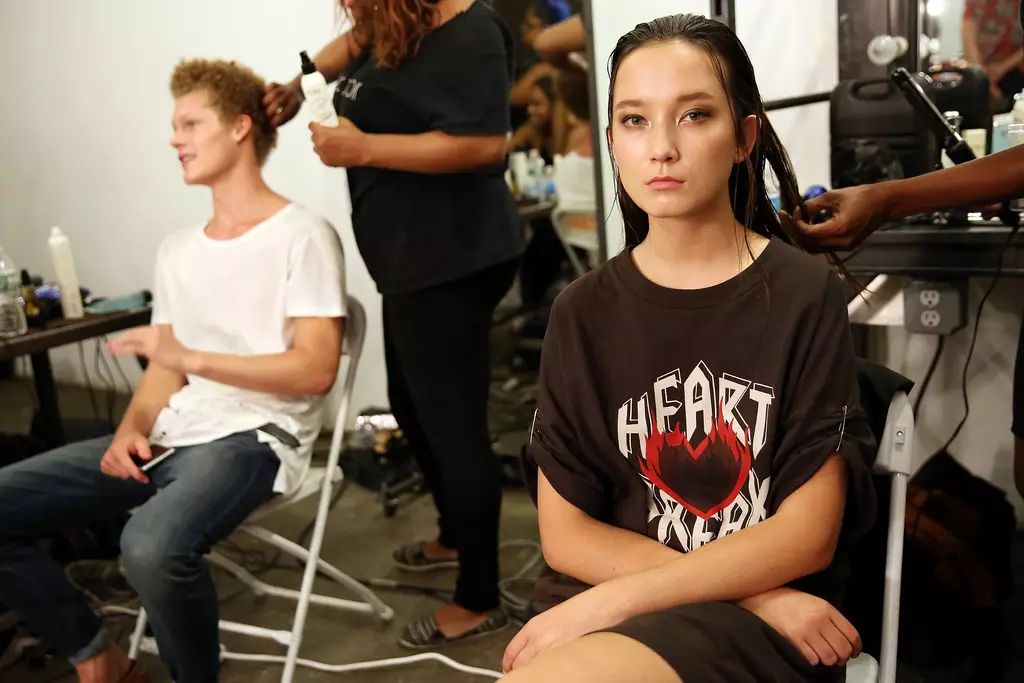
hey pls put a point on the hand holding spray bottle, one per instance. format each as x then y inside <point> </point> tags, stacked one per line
<point>317,94</point>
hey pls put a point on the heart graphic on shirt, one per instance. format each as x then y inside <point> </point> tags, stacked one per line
<point>705,478</point>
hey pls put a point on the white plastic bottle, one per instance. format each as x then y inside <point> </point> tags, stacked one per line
<point>12,308</point>
<point>64,264</point>
<point>317,94</point>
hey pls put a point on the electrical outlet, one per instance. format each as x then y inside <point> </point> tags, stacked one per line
<point>935,307</point>
<point>931,319</point>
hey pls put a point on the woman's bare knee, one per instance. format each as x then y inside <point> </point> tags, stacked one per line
<point>597,658</point>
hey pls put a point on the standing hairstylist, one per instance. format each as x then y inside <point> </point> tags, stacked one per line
<point>423,96</point>
<point>859,211</point>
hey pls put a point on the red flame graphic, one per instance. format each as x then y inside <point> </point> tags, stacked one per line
<point>714,473</point>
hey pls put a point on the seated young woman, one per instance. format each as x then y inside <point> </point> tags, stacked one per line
<point>702,454</point>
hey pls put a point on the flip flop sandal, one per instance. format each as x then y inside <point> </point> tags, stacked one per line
<point>410,558</point>
<point>425,633</point>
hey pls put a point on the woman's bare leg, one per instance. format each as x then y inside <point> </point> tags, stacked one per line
<point>597,658</point>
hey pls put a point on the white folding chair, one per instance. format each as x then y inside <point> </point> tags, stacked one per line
<point>317,479</point>
<point>577,229</point>
<point>893,460</point>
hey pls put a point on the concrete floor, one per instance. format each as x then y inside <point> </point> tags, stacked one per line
<point>359,541</point>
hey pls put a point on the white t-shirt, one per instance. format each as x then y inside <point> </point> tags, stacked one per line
<point>239,296</point>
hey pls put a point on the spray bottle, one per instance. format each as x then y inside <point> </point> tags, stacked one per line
<point>317,94</point>
<point>70,294</point>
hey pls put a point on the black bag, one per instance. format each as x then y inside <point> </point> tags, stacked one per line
<point>957,571</point>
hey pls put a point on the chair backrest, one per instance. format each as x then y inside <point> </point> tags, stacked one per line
<point>878,560</point>
<point>352,350</point>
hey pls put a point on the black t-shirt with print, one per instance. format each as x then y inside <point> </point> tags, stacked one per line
<point>415,230</point>
<point>687,415</point>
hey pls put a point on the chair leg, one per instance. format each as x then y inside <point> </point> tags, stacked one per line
<point>383,612</point>
<point>239,572</point>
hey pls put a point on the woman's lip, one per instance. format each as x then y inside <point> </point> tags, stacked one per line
<point>664,184</point>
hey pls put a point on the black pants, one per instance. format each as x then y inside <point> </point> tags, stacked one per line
<point>437,348</point>
<point>542,263</point>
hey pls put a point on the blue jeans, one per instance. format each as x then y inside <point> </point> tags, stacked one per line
<point>194,498</point>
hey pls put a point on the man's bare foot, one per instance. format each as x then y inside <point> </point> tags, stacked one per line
<point>109,666</point>
<point>433,550</point>
<point>454,621</point>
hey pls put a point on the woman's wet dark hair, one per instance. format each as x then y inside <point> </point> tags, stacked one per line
<point>747,184</point>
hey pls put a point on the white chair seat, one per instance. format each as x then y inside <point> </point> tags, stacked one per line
<point>862,669</point>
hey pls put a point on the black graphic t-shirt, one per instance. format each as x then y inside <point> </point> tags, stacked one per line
<point>415,230</point>
<point>688,415</point>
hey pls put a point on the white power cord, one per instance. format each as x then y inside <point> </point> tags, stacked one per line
<point>149,644</point>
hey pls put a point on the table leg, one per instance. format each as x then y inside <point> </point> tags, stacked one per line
<point>47,423</point>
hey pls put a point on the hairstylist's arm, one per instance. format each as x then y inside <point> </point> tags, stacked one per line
<point>558,40</point>
<point>523,88</point>
<point>858,211</point>
<point>435,152</point>
<point>282,102</point>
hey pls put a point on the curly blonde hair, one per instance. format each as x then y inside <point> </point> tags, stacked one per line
<point>233,90</point>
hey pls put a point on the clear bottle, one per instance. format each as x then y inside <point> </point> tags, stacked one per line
<point>12,308</point>
<point>535,172</point>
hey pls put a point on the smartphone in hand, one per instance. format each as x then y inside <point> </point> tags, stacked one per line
<point>160,453</point>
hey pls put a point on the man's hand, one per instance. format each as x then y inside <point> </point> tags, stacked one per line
<point>159,345</point>
<point>117,461</point>
<point>341,147</point>
<point>811,624</point>
<point>856,213</point>
<point>282,102</point>
<point>574,618</point>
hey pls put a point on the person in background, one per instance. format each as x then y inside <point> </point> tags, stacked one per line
<point>572,88</point>
<point>992,38</point>
<point>422,100</point>
<point>538,131</point>
<point>530,67</point>
<point>700,453</point>
<point>246,335</point>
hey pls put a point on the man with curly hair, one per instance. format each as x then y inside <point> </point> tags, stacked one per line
<point>245,341</point>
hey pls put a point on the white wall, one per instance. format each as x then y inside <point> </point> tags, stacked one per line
<point>951,17</point>
<point>611,19</point>
<point>985,445</point>
<point>793,47</point>
<point>85,128</point>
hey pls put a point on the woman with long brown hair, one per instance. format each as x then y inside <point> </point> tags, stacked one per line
<point>701,455</point>
<point>423,101</point>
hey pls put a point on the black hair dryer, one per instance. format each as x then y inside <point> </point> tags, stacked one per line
<point>958,151</point>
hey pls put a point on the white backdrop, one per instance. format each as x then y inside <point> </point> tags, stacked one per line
<point>85,127</point>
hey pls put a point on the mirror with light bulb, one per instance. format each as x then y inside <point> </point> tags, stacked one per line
<point>966,53</point>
